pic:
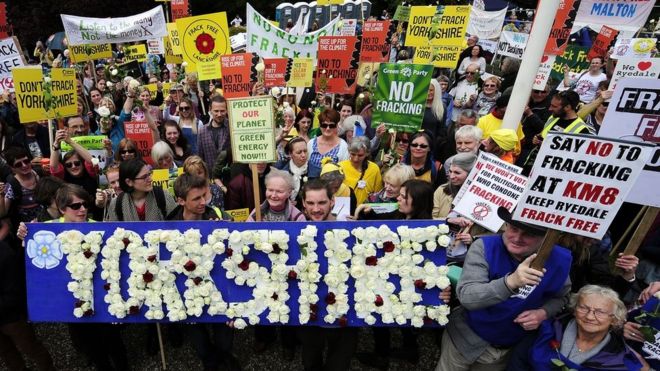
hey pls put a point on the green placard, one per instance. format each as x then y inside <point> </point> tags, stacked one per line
<point>402,13</point>
<point>401,94</point>
<point>576,59</point>
<point>252,128</point>
<point>87,142</point>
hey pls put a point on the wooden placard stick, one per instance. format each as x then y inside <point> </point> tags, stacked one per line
<point>200,96</point>
<point>255,189</point>
<point>640,232</point>
<point>551,237</point>
<point>464,230</point>
<point>625,234</point>
<point>162,348</point>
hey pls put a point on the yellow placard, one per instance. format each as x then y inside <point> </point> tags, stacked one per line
<point>209,70</point>
<point>239,215</point>
<point>329,2</point>
<point>301,72</point>
<point>89,52</point>
<point>153,88</point>
<point>33,104</point>
<point>135,53</point>
<point>204,38</point>
<point>445,56</point>
<point>252,129</point>
<point>170,56</point>
<point>423,55</point>
<point>161,178</point>
<point>449,28</point>
<point>419,25</point>
<point>173,36</point>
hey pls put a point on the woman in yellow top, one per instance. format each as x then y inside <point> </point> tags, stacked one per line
<point>362,175</point>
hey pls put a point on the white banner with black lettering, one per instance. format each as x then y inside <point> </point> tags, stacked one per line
<point>486,25</point>
<point>82,30</point>
<point>512,44</point>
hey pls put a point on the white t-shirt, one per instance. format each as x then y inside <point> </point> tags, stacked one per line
<point>587,86</point>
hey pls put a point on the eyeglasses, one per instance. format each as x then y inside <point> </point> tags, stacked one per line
<point>73,163</point>
<point>469,73</point>
<point>22,163</point>
<point>145,176</point>
<point>328,126</point>
<point>419,145</point>
<point>599,314</point>
<point>490,86</point>
<point>126,151</point>
<point>539,92</point>
<point>184,108</point>
<point>77,205</point>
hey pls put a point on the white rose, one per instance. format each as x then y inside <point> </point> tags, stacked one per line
<point>444,240</point>
<point>240,324</point>
<point>47,79</point>
<point>114,72</point>
<point>370,320</point>
<point>275,91</point>
<point>443,228</point>
<point>443,320</point>
<point>184,64</point>
<point>260,67</point>
<point>134,84</point>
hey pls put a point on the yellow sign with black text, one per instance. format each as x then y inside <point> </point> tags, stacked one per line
<point>204,38</point>
<point>89,52</point>
<point>42,98</point>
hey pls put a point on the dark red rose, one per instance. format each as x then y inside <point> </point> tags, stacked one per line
<point>190,266</point>
<point>197,280</point>
<point>371,260</point>
<point>343,321</point>
<point>106,287</point>
<point>314,308</point>
<point>79,303</point>
<point>388,246</point>
<point>276,248</point>
<point>151,258</point>
<point>205,43</point>
<point>134,310</point>
<point>148,277</point>
<point>126,241</point>
<point>89,313</point>
<point>230,252</point>
<point>274,297</point>
<point>245,265</point>
<point>292,275</point>
<point>88,254</point>
<point>554,344</point>
<point>378,301</point>
<point>427,320</point>
<point>313,316</point>
<point>420,284</point>
<point>330,298</point>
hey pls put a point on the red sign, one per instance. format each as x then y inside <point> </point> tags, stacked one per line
<point>179,9</point>
<point>374,48</point>
<point>335,72</point>
<point>236,70</point>
<point>141,134</point>
<point>603,41</point>
<point>561,28</point>
<point>5,27</point>
<point>274,74</point>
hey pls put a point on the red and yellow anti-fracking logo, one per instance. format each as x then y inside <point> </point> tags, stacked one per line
<point>204,38</point>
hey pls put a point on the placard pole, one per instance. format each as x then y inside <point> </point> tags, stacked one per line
<point>625,234</point>
<point>551,237</point>
<point>543,21</point>
<point>201,98</point>
<point>640,232</point>
<point>255,189</point>
<point>162,348</point>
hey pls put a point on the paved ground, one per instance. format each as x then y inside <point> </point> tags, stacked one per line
<point>56,338</point>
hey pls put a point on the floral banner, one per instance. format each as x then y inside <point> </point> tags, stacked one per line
<point>322,274</point>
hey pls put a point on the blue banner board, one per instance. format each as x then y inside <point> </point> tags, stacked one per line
<point>385,273</point>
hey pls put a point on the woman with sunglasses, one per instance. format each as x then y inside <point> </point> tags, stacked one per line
<point>485,100</point>
<point>74,203</point>
<point>420,157</point>
<point>127,150</point>
<point>76,166</point>
<point>19,203</point>
<point>187,121</point>
<point>141,201</point>
<point>328,144</point>
<point>173,136</point>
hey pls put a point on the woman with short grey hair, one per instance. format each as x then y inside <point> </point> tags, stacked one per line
<point>589,338</point>
<point>277,207</point>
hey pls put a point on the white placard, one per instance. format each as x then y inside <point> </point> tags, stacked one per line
<point>486,25</point>
<point>482,159</point>
<point>543,74</point>
<point>348,27</point>
<point>632,48</point>
<point>342,207</point>
<point>512,44</point>
<point>637,68</point>
<point>10,57</point>
<point>83,30</point>
<point>155,46</point>
<point>634,114</point>
<point>493,186</point>
<point>579,182</point>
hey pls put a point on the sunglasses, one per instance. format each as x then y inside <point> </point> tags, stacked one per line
<point>147,175</point>
<point>77,205</point>
<point>490,86</point>
<point>328,126</point>
<point>403,141</point>
<point>126,151</point>
<point>184,108</point>
<point>419,145</point>
<point>470,73</point>
<point>71,164</point>
<point>25,162</point>
<point>538,91</point>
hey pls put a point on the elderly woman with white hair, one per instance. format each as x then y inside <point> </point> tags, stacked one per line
<point>163,157</point>
<point>587,339</point>
<point>278,207</point>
